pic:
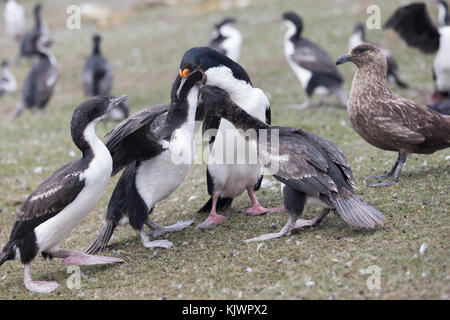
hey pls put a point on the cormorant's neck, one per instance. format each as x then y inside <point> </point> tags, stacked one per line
<point>85,139</point>
<point>37,18</point>
<point>361,35</point>
<point>96,49</point>
<point>44,53</point>
<point>181,113</point>
<point>240,118</point>
<point>292,31</point>
<point>228,31</point>
<point>224,78</point>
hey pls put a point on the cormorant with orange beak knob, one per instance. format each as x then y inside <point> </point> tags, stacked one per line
<point>228,179</point>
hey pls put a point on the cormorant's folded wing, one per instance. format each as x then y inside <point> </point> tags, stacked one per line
<point>48,199</point>
<point>301,165</point>
<point>336,155</point>
<point>311,57</point>
<point>130,141</point>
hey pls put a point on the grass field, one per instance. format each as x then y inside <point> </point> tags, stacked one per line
<point>327,262</point>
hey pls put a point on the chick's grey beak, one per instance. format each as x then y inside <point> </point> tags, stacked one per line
<point>183,80</point>
<point>344,59</point>
<point>204,78</point>
<point>114,102</point>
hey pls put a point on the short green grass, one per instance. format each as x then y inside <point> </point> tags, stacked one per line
<point>326,262</point>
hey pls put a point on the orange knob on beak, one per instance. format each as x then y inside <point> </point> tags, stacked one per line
<point>184,73</point>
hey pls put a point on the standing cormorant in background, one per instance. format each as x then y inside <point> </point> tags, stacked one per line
<point>155,146</point>
<point>227,39</point>
<point>312,169</point>
<point>98,77</point>
<point>8,84</point>
<point>226,177</point>
<point>15,18</point>
<point>386,120</point>
<point>40,34</point>
<point>414,26</point>
<point>97,74</point>
<point>359,37</point>
<point>40,82</point>
<point>313,67</point>
<point>62,202</point>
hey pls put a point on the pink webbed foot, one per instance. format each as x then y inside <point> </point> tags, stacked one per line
<point>212,220</point>
<point>41,286</point>
<point>83,259</point>
<point>258,210</point>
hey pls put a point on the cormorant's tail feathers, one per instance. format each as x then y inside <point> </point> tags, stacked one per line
<point>358,213</point>
<point>222,204</point>
<point>103,238</point>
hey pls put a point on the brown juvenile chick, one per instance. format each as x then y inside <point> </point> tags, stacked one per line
<point>386,120</point>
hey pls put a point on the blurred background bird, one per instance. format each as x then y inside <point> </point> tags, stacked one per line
<point>227,39</point>
<point>15,20</point>
<point>38,34</point>
<point>97,74</point>
<point>97,77</point>
<point>8,84</point>
<point>413,24</point>
<point>313,67</point>
<point>39,83</point>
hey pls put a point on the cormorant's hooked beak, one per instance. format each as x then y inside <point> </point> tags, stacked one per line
<point>185,74</point>
<point>345,58</point>
<point>114,102</point>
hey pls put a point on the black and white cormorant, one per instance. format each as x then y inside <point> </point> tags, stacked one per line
<point>312,169</point>
<point>98,77</point>
<point>62,202</point>
<point>359,37</point>
<point>226,176</point>
<point>155,146</point>
<point>413,24</point>
<point>40,82</point>
<point>8,84</point>
<point>39,34</point>
<point>97,74</point>
<point>313,67</point>
<point>227,39</point>
<point>15,18</point>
